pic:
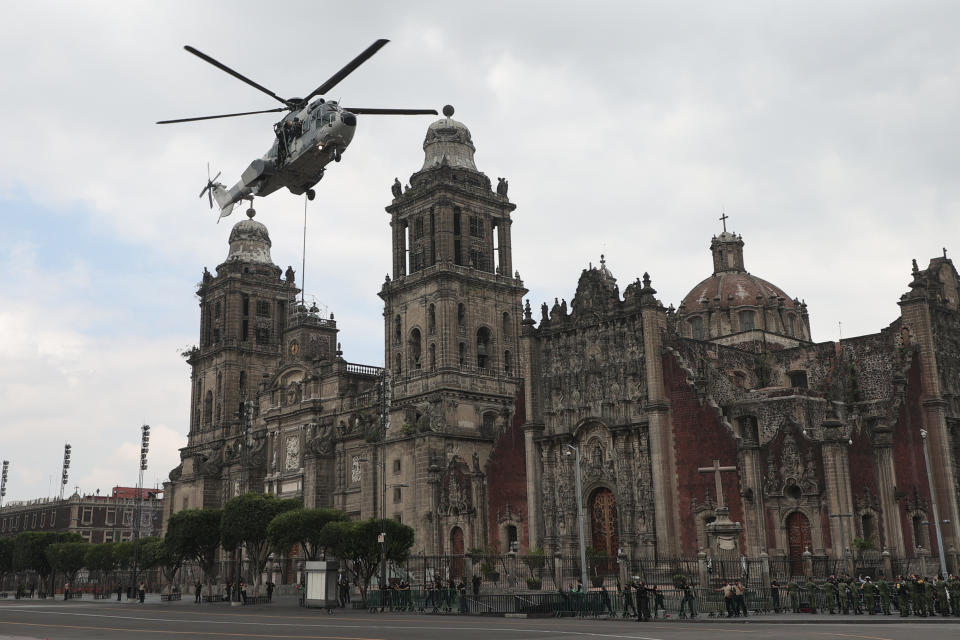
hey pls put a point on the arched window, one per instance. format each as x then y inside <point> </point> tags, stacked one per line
<point>431,320</point>
<point>483,347</point>
<point>397,330</point>
<point>696,327</point>
<point>746,320</point>
<point>462,353</point>
<point>461,316</point>
<point>219,384</point>
<point>208,408</point>
<point>507,364</point>
<point>867,528</point>
<point>512,542</point>
<point>433,355</point>
<point>506,325</point>
<point>243,384</point>
<point>397,368</point>
<point>791,325</point>
<point>415,350</point>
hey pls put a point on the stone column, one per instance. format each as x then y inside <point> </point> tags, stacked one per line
<point>887,482</point>
<point>836,473</point>
<point>532,460</point>
<point>752,486</point>
<point>660,432</point>
<point>503,241</point>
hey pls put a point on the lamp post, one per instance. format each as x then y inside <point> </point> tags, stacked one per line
<point>385,397</point>
<point>144,448</point>
<point>583,544</point>
<point>3,481</point>
<point>65,469</point>
<point>245,445</point>
<point>933,503</point>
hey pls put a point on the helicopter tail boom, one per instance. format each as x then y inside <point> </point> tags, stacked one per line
<point>224,200</point>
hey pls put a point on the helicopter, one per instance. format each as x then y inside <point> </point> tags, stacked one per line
<point>308,137</point>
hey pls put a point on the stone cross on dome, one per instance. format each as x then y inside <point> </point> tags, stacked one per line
<point>716,469</point>
<point>723,219</point>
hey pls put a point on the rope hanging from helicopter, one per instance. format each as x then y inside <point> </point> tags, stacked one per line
<point>303,263</point>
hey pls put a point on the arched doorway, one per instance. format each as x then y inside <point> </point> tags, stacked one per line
<point>456,550</point>
<point>603,522</point>
<point>798,540</point>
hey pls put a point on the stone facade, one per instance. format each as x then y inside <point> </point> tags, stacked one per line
<point>465,433</point>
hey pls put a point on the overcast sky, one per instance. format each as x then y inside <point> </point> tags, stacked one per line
<point>826,131</point>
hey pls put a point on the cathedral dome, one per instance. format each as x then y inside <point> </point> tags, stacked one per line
<point>250,242</point>
<point>733,302</point>
<point>448,142</point>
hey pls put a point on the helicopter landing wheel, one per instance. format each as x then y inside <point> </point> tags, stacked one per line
<point>337,155</point>
<point>311,194</point>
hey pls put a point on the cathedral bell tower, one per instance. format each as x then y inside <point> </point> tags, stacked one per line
<point>452,312</point>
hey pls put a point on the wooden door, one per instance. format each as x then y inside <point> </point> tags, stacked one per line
<point>798,540</point>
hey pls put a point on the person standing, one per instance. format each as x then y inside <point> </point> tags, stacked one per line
<point>605,601</point>
<point>812,589</point>
<point>793,590</point>
<point>462,590</point>
<point>941,588</point>
<point>643,601</point>
<point>198,592</point>
<point>66,591</point>
<point>142,592</point>
<point>953,590</point>
<point>883,590</point>
<point>869,595</point>
<point>916,596</point>
<point>687,600</point>
<point>775,595</point>
<point>903,596</point>
<point>830,592</point>
<point>271,586</point>
<point>476,585</point>
<point>627,594</point>
<point>740,598</point>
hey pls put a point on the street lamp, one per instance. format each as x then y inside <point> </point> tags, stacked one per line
<point>583,544</point>
<point>65,469</point>
<point>3,481</point>
<point>933,503</point>
<point>144,448</point>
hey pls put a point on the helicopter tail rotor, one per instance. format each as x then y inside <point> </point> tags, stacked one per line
<point>212,185</point>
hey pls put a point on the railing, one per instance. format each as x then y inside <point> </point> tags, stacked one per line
<point>364,369</point>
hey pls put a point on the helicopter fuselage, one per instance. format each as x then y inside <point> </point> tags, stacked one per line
<point>306,141</point>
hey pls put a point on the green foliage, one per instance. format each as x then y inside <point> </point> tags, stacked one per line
<point>245,521</point>
<point>536,559</point>
<point>6,555</point>
<point>67,557</point>
<point>29,550</point>
<point>100,557</point>
<point>195,534</point>
<point>301,527</point>
<point>862,544</point>
<point>123,554</point>
<point>679,580</point>
<point>356,544</point>
<point>596,554</point>
<point>534,583</point>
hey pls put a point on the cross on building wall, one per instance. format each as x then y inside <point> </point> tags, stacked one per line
<point>716,469</point>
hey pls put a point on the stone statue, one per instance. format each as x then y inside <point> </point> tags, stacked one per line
<point>502,186</point>
<point>396,188</point>
<point>289,274</point>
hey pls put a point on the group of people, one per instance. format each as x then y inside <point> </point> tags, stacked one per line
<point>734,598</point>
<point>846,594</point>
<point>644,594</point>
<point>286,132</point>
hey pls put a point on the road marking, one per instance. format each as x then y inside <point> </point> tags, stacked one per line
<point>326,624</point>
<point>850,635</point>
<point>190,633</point>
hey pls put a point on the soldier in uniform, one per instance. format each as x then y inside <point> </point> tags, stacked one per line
<point>812,589</point>
<point>775,595</point>
<point>883,588</point>
<point>793,590</point>
<point>853,592</point>
<point>916,596</point>
<point>869,595</point>
<point>953,589</point>
<point>627,594</point>
<point>903,596</point>
<point>830,590</point>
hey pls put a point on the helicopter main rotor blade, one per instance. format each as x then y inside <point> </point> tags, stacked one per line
<point>238,76</point>
<point>347,70</point>
<point>391,112</point>
<point>226,115</point>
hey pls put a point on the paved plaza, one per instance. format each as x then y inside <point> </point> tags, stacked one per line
<point>50,619</point>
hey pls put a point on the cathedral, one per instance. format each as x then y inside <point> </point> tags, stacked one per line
<point>717,426</point>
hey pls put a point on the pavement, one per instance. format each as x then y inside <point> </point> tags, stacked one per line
<point>284,619</point>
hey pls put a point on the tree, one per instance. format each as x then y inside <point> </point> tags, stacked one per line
<point>301,527</point>
<point>29,551</point>
<point>100,558</point>
<point>67,557</point>
<point>155,552</point>
<point>6,556</point>
<point>356,544</point>
<point>245,521</point>
<point>195,534</point>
